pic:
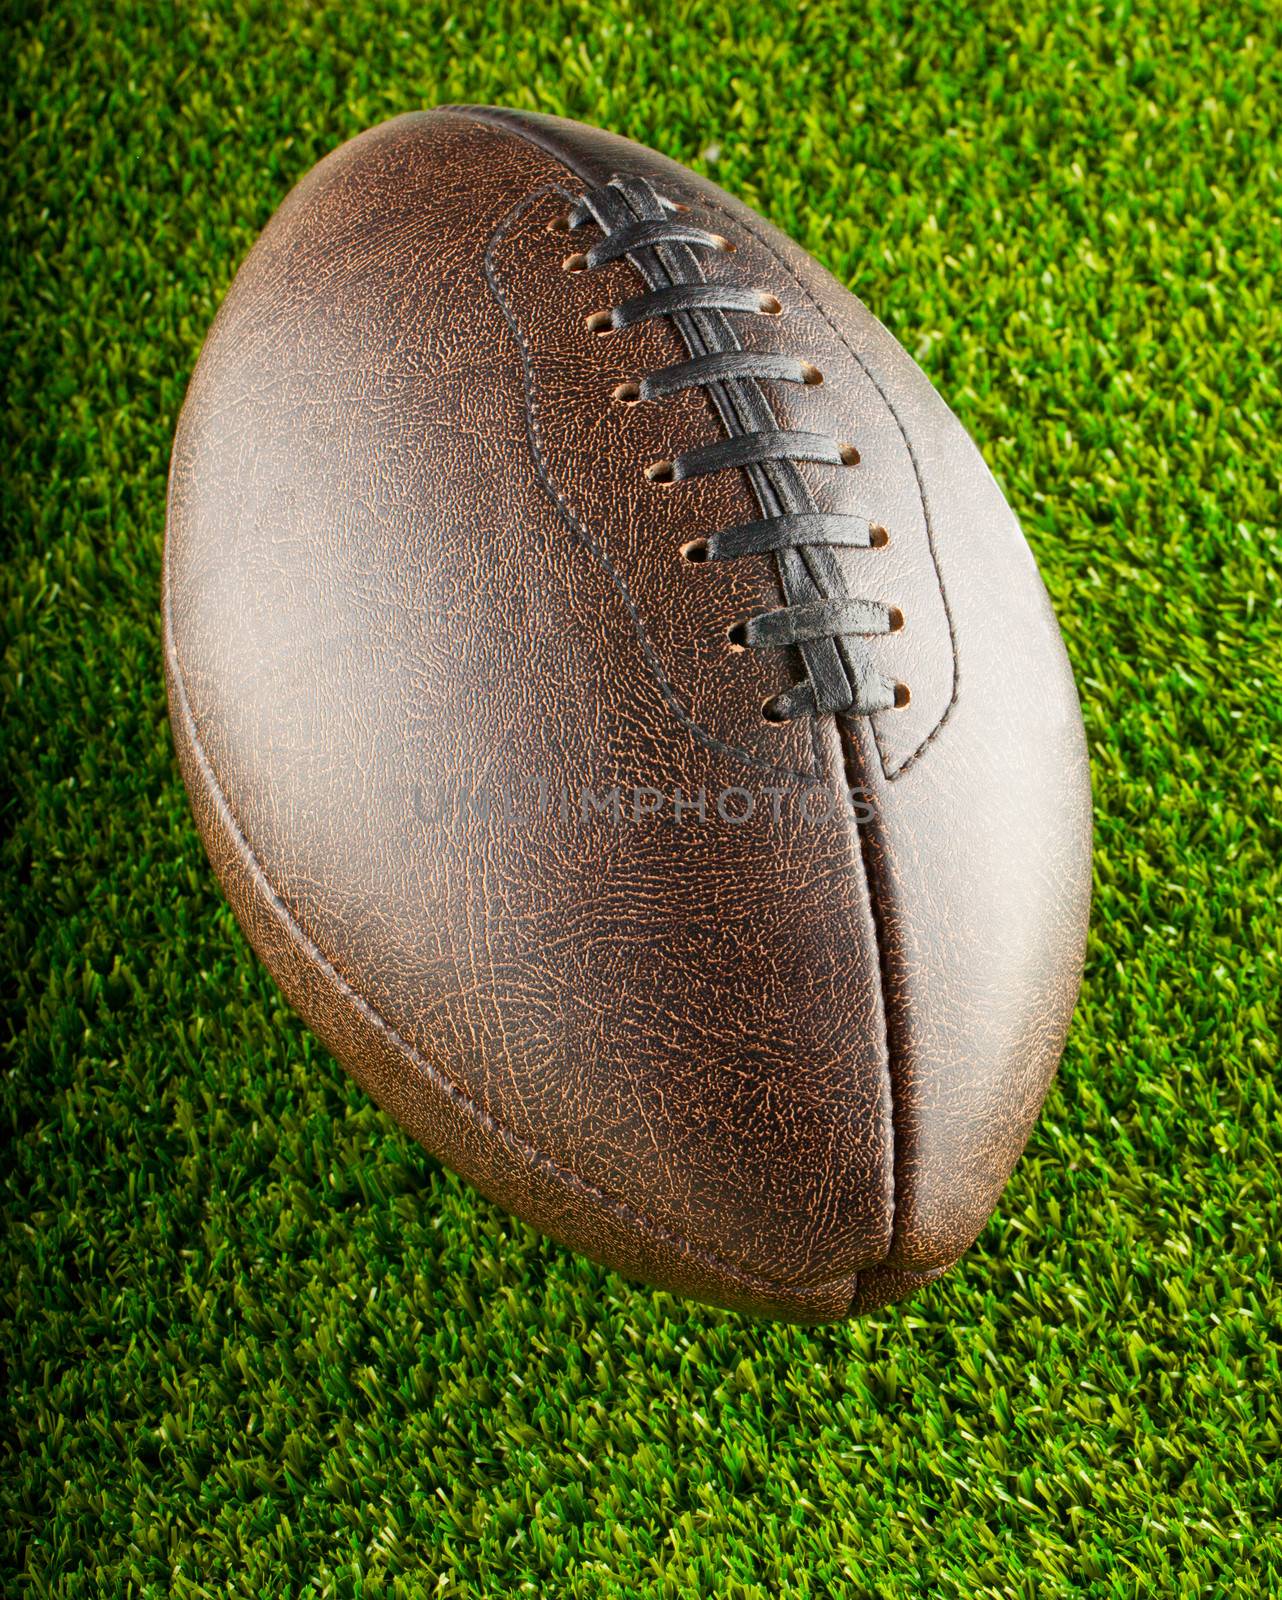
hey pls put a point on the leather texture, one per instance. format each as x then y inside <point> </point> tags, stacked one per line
<point>421,598</point>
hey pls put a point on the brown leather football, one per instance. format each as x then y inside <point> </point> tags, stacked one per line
<point>624,714</point>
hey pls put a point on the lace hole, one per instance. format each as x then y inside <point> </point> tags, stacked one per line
<point>769,306</point>
<point>559,224</point>
<point>695,551</point>
<point>660,472</point>
<point>599,322</point>
<point>896,619</point>
<point>737,636</point>
<point>849,455</point>
<point>811,376</point>
<point>627,394</point>
<point>771,713</point>
<point>902,695</point>
<point>878,538</point>
<point>578,262</point>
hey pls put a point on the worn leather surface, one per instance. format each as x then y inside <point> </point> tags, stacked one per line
<point>416,581</point>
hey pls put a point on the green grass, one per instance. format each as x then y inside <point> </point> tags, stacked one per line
<point>255,1341</point>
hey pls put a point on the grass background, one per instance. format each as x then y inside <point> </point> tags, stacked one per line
<point>255,1341</point>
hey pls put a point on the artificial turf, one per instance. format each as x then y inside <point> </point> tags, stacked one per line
<point>255,1341</point>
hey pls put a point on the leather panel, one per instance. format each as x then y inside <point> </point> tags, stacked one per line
<point>376,601</point>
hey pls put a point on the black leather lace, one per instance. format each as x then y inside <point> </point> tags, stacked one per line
<point>821,619</point>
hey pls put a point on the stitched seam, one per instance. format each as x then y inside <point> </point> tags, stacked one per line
<point>873,884</point>
<point>891,772</point>
<point>571,521</point>
<point>653,1232</point>
<point>511,124</point>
